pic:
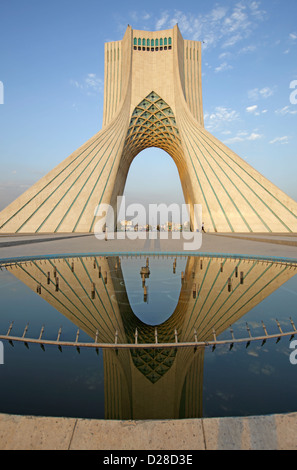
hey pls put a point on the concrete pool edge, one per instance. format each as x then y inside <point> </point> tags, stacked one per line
<point>269,432</point>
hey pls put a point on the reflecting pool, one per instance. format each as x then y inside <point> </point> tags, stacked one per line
<point>134,298</point>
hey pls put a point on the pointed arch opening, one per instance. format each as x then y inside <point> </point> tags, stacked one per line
<point>153,128</point>
<point>153,178</point>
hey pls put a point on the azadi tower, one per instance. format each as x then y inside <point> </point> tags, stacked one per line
<point>152,98</point>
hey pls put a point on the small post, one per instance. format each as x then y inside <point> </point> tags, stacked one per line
<point>264,328</point>
<point>116,337</point>
<point>194,291</point>
<point>250,335</point>
<point>96,338</point>
<point>292,323</point>
<point>41,333</point>
<point>229,284</point>
<point>195,336</point>
<point>48,278</point>
<point>9,329</point>
<point>279,327</point>
<point>99,269</point>
<point>233,338</point>
<point>59,335</point>
<point>222,267</point>
<point>25,330</point>
<point>145,294</point>
<point>241,278</point>
<point>176,336</point>
<point>57,284</point>
<point>281,331</point>
<point>232,333</point>
<point>136,336</point>
<point>77,336</point>
<point>236,271</point>
<point>72,267</point>
<point>249,331</point>
<point>156,335</point>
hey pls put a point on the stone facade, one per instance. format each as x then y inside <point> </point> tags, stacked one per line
<point>152,98</point>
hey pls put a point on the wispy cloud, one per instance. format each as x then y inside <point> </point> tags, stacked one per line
<point>285,111</point>
<point>255,110</point>
<point>254,136</point>
<point>280,140</point>
<point>223,67</point>
<point>94,83</point>
<point>161,22</point>
<point>247,49</point>
<point>258,93</point>
<point>91,84</point>
<point>252,109</point>
<point>220,117</point>
<point>243,136</point>
<point>221,25</point>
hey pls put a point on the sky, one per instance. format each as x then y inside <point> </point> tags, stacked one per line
<point>52,71</point>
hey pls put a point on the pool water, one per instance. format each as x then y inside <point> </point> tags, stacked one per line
<point>100,296</point>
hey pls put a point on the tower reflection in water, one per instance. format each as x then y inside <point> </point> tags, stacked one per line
<point>153,383</point>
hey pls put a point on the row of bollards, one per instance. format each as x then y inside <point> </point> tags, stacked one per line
<point>145,272</point>
<point>57,281</point>
<point>248,340</point>
<point>229,282</point>
<point>236,275</point>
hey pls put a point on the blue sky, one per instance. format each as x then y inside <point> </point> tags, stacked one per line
<point>52,68</point>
